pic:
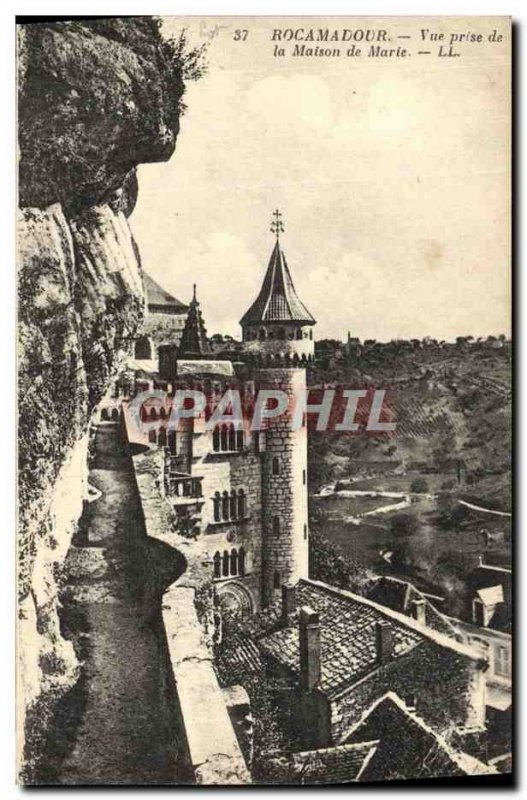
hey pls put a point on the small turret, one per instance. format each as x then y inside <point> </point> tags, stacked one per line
<point>278,326</point>
<point>194,343</point>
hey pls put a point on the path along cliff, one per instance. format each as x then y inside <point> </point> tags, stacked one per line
<point>96,98</point>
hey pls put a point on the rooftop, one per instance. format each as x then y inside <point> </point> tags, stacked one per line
<point>348,635</point>
<point>278,300</point>
<point>157,296</point>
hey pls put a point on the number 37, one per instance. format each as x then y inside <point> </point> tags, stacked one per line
<point>240,35</point>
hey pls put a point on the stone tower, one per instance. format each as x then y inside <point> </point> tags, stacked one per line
<point>278,344</point>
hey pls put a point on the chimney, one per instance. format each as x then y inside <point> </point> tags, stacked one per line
<point>288,603</point>
<point>384,641</point>
<point>419,609</point>
<point>309,633</point>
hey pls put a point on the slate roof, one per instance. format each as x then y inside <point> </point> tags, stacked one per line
<point>398,595</point>
<point>348,625</point>
<point>157,296</point>
<point>406,746</point>
<point>330,765</point>
<point>278,300</point>
<point>348,636</point>
<point>485,577</point>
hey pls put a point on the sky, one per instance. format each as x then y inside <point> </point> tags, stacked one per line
<point>392,176</point>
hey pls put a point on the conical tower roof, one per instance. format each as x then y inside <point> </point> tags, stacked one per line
<point>278,300</point>
<point>194,343</point>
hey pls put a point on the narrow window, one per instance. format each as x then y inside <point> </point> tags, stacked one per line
<point>304,477</point>
<point>241,504</point>
<point>217,507</point>
<point>217,564</point>
<point>152,436</point>
<point>162,413</point>
<point>115,414</point>
<point>276,580</point>
<point>299,333</point>
<point>234,562</point>
<point>276,526</point>
<point>232,438</point>
<point>153,414</point>
<point>216,439</point>
<point>225,563</point>
<point>501,663</point>
<point>224,438</point>
<point>162,438</point>
<point>105,415</point>
<point>276,466</point>
<point>225,505</point>
<point>233,506</point>
<point>172,442</point>
<point>241,561</point>
<point>305,531</point>
<point>239,440</point>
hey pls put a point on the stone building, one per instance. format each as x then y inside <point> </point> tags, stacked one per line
<point>164,321</point>
<point>341,652</point>
<point>243,492</point>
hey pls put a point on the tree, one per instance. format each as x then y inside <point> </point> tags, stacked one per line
<point>404,525</point>
<point>419,485</point>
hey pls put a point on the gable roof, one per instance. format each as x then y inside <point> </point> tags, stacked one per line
<point>399,595</point>
<point>278,300</point>
<point>157,296</point>
<point>330,765</point>
<point>348,635</point>
<point>406,746</point>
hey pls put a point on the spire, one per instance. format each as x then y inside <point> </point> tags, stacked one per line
<point>278,300</point>
<point>194,343</point>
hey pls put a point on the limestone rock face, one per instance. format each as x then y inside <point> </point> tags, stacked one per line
<point>96,99</point>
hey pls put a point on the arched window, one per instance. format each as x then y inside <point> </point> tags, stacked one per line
<point>162,438</point>
<point>115,414</point>
<point>276,526</point>
<point>276,580</point>
<point>225,570</point>
<point>234,562</point>
<point>104,414</point>
<point>232,438</point>
<point>217,507</point>
<point>276,466</point>
<point>217,564</point>
<point>233,508</point>
<point>225,505</point>
<point>241,561</point>
<point>162,413</point>
<point>241,504</point>
<point>153,414</point>
<point>239,439</point>
<point>311,333</point>
<point>216,439</point>
<point>224,436</point>
<point>299,333</point>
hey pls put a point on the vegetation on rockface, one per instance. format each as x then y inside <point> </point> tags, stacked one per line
<point>96,98</point>
<point>327,563</point>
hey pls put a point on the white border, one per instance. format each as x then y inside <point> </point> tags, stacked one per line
<point>514,8</point>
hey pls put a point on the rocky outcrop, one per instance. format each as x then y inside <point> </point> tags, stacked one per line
<point>96,99</point>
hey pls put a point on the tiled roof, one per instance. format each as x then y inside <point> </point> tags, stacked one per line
<point>331,765</point>
<point>157,296</point>
<point>348,636</point>
<point>278,300</point>
<point>398,595</point>
<point>241,657</point>
<point>406,746</point>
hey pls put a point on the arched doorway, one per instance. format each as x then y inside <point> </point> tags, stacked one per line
<point>235,601</point>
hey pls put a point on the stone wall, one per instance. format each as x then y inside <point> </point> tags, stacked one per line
<point>284,493</point>
<point>211,754</point>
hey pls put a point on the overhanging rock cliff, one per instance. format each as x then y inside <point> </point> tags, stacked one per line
<point>96,99</point>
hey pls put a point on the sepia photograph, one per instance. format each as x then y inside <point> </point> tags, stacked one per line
<point>264,515</point>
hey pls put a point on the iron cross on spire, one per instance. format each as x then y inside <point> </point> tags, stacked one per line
<point>277,226</point>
